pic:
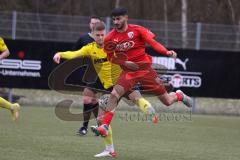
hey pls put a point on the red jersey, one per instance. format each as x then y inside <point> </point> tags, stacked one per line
<point>132,43</point>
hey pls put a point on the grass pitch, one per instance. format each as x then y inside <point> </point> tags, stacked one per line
<point>40,135</point>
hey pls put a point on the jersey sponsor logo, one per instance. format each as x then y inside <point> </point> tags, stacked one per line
<point>177,72</point>
<point>110,46</point>
<point>22,68</point>
<point>100,60</point>
<point>125,46</point>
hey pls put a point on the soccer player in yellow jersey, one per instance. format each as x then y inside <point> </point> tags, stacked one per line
<point>14,108</point>
<point>108,73</point>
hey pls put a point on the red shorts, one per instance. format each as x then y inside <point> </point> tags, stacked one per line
<point>147,78</point>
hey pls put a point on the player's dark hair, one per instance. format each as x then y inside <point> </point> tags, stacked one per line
<point>95,17</point>
<point>119,12</point>
<point>99,26</point>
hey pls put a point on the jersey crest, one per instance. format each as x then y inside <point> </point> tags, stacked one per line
<point>130,35</point>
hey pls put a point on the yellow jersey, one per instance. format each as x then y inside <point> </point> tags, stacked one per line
<point>3,46</point>
<point>108,72</point>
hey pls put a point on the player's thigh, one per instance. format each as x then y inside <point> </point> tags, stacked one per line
<point>151,83</point>
<point>88,96</point>
<point>124,83</point>
<point>88,92</point>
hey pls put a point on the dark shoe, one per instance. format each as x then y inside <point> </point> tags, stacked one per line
<point>82,131</point>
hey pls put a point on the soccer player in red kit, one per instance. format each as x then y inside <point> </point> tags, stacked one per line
<point>125,45</point>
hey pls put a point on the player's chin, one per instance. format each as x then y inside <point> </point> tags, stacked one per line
<point>100,42</point>
<point>118,26</point>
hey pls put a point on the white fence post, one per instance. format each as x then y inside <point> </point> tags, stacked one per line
<point>184,24</point>
<point>238,37</point>
<point>194,105</point>
<point>14,24</point>
<point>14,27</point>
<point>198,36</point>
<point>10,95</point>
<point>108,24</point>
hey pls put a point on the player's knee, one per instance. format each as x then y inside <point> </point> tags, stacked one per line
<point>115,94</point>
<point>167,103</point>
<point>94,101</point>
<point>135,95</point>
<point>87,100</point>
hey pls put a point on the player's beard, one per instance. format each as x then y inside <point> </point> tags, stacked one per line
<point>119,26</point>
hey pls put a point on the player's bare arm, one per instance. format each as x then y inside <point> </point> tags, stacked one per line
<point>131,65</point>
